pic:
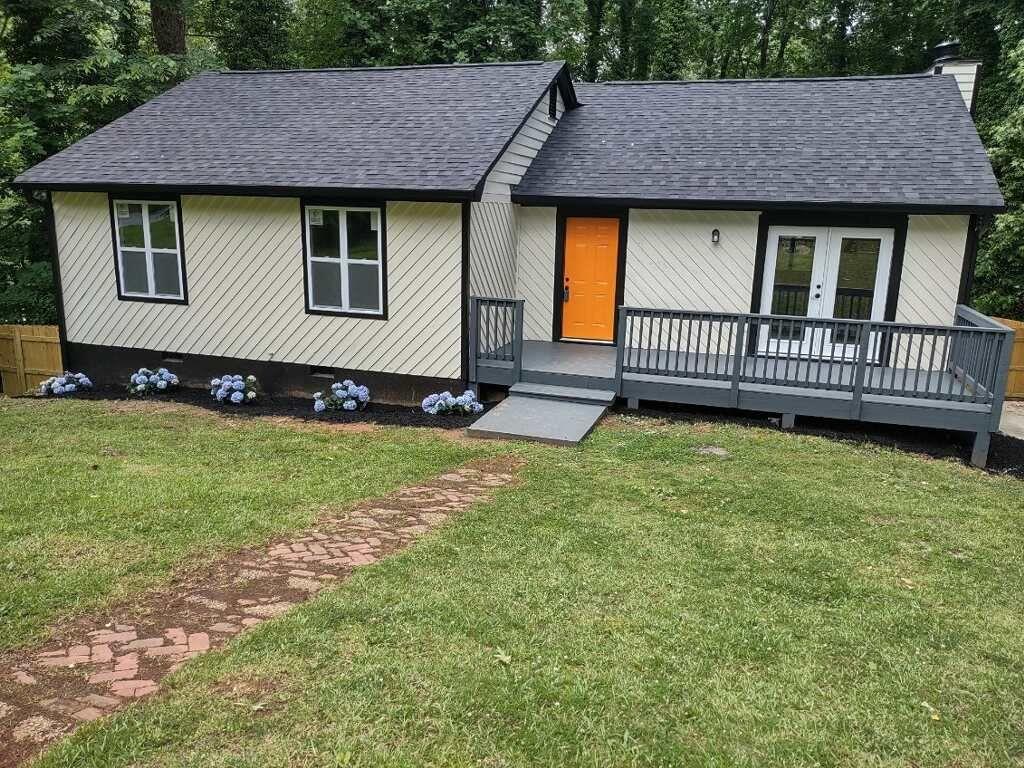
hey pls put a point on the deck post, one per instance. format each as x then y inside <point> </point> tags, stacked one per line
<point>738,360</point>
<point>620,350</point>
<point>633,403</point>
<point>788,421</point>
<point>517,341</point>
<point>473,309</point>
<point>857,402</point>
<point>1002,377</point>
<point>979,452</point>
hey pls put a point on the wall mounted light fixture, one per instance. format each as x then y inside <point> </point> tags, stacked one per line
<point>715,236</point>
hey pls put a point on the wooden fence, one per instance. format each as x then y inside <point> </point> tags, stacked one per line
<point>29,354</point>
<point>1015,385</point>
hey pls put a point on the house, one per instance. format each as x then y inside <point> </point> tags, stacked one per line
<point>779,245</point>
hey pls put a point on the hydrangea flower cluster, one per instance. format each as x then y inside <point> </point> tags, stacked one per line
<point>344,396</point>
<point>66,384</point>
<point>446,402</point>
<point>146,382</point>
<point>232,388</point>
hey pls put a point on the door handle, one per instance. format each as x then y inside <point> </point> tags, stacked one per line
<point>565,293</point>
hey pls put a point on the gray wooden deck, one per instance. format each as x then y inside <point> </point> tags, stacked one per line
<point>951,377</point>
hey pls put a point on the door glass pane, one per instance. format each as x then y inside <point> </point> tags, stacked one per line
<point>133,272</point>
<point>324,233</point>
<point>165,274</point>
<point>161,227</point>
<point>129,225</point>
<point>362,237</point>
<point>326,279</point>
<point>363,285</point>
<point>855,285</point>
<point>794,266</point>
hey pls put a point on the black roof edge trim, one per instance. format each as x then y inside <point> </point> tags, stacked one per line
<point>755,205</point>
<point>561,77</point>
<point>365,193</point>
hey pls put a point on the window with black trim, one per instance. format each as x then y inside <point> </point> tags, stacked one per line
<point>344,260</point>
<point>148,244</point>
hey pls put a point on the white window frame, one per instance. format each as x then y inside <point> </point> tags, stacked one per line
<point>344,261</point>
<point>149,251</point>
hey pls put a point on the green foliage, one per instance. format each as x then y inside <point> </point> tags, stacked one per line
<point>30,297</point>
<point>252,34</point>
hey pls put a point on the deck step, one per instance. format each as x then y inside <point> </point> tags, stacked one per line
<point>565,394</point>
<point>562,422</point>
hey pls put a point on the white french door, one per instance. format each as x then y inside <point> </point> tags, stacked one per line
<point>822,272</point>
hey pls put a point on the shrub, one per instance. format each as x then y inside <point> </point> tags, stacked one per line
<point>232,388</point>
<point>344,396</point>
<point>446,402</point>
<point>66,384</point>
<point>146,382</point>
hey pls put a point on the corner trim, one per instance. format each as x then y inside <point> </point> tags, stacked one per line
<point>467,223</point>
<point>970,261</point>
<point>58,286</point>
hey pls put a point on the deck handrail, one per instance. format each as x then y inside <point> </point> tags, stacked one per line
<point>966,361</point>
<point>495,333</point>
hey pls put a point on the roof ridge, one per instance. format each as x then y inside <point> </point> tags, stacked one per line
<point>452,65</point>
<point>819,78</point>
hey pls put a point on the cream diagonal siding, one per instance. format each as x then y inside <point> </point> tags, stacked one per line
<point>535,270</point>
<point>671,262</point>
<point>524,146</point>
<point>492,250</point>
<point>932,263</point>
<point>243,258</point>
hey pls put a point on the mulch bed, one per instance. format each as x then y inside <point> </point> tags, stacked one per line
<point>1006,454</point>
<point>292,407</point>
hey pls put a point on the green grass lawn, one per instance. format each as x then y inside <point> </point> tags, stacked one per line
<point>632,602</point>
<point>96,505</point>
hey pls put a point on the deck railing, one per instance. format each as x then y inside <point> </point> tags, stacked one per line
<point>966,362</point>
<point>495,333</point>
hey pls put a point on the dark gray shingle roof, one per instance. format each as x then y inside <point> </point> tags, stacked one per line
<point>434,128</point>
<point>886,141</point>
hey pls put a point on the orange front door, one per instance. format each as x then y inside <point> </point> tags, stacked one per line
<point>588,287</point>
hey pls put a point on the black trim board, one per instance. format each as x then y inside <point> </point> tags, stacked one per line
<point>382,223</point>
<point>751,205</point>
<point>111,367</point>
<point>121,296</point>
<point>970,261</point>
<point>597,212</point>
<point>58,286</point>
<point>467,223</point>
<point>240,190</point>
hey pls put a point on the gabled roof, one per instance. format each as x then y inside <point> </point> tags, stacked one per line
<point>905,142</point>
<point>433,131</point>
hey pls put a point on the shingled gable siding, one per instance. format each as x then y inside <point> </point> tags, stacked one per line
<point>535,270</point>
<point>520,153</point>
<point>492,250</point>
<point>244,259</point>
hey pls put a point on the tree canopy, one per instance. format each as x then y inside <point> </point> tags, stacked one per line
<point>70,66</point>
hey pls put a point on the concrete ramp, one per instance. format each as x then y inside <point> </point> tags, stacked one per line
<point>547,415</point>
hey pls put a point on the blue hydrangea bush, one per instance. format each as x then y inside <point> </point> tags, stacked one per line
<point>344,396</point>
<point>232,388</point>
<point>445,403</point>
<point>66,384</point>
<point>146,382</point>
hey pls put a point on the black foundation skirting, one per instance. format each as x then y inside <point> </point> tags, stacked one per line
<point>111,367</point>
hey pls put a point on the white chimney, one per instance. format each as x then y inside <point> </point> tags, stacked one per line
<point>949,62</point>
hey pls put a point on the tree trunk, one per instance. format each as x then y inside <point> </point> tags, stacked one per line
<point>766,33</point>
<point>592,55</point>
<point>168,18</point>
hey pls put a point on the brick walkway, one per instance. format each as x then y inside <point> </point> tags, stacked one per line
<point>96,665</point>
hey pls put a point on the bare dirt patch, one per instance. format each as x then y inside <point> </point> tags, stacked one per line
<point>96,664</point>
